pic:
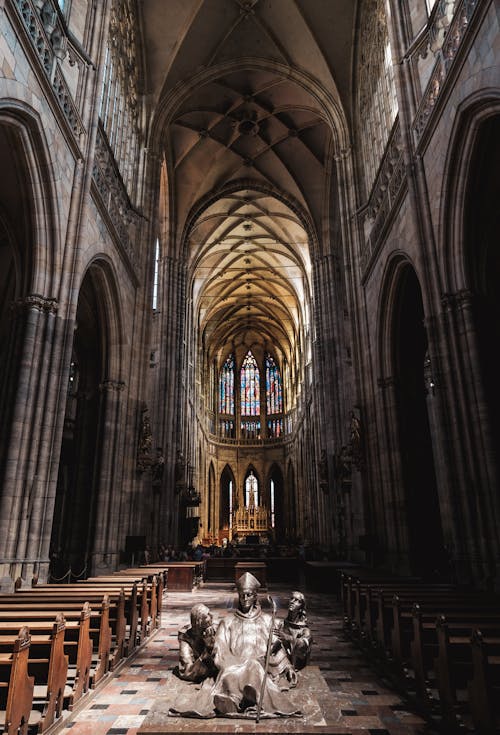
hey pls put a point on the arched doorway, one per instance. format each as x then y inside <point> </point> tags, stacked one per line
<point>73,527</point>
<point>410,350</point>
<point>278,521</point>
<point>482,228</point>
<point>227,503</point>
<point>15,270</point>
<point>210,527</point>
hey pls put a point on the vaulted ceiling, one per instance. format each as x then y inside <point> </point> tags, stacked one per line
<point>242,91</point>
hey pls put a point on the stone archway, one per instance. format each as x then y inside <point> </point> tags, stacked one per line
<point>276,494</point>
<point>87,500</point>
<point>227,500</point>
<point>482,262</point>
<point>411,371</point>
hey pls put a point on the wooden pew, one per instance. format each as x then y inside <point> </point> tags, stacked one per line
<point>48,665</point>
<point>16,686</point>
<point>452,607</point>
<point>484,688</point>
<point>77,644</point>
<point>453,664</point>
<point>130,608</point>
<point>134,610</point>
<point>367,607</point>
<point>99,629</point>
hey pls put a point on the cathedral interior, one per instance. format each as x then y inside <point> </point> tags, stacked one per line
<point>249,283</point>
<point>250,309</point>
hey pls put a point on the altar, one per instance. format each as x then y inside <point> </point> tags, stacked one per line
<point>251,521</point>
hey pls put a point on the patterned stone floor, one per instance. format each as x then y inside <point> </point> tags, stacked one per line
<point>348,696</point>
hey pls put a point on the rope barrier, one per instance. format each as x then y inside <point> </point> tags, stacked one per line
<point>60,579</point>
<point>82,573</point>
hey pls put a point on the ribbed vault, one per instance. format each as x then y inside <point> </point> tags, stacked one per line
<point>249,256</point>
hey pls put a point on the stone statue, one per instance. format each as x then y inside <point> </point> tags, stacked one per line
<point>240,648</point>
<point>195,646</point>
<point>294,633</point>
<point>249,670</point>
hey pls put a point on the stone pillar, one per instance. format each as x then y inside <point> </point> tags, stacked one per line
<point>171,390</point>
<point>468,460</point>
<point>23,505</point>
<point>108,536</point>
<point>389,501</point>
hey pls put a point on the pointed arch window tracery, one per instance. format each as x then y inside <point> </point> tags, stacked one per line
<point>226,387</point>
<point>250,386</point>
<point>226,398</point>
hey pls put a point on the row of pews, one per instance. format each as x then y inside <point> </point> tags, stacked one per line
<point>440,642</point>
<point>57,642</point>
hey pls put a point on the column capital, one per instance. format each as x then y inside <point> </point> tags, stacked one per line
<point>48,304</point>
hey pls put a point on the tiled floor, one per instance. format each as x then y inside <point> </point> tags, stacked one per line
<point>349,696</point>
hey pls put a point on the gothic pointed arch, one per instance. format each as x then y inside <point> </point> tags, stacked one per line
<point>471,264</point>
<point>253,492</point>
<point>228,501</point>
<point>210,510</point>
<point>85,518</point>
<point>406,352</point>
<point>29,265</point>
<point>276,494</point>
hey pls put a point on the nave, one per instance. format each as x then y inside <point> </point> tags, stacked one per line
<point>343,694</point>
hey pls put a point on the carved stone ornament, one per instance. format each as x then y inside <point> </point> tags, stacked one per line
<point>355,441</point>
<point>144,456</point>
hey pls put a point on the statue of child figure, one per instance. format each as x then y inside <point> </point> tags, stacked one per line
<point>294,633</point>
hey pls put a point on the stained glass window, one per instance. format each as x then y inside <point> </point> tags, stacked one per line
<point>251,491</point>
<point>250,386</point>
<point>275,427</point>
<point>226,387</point>
<point>274,389</point>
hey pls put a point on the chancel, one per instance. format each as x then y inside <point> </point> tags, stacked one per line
<point>249,314</point>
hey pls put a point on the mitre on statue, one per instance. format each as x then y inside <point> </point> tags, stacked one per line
<point>247,582</point>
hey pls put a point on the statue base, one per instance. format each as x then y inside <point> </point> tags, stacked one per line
<point>311,689</point>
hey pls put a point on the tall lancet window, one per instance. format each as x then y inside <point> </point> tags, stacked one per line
<point>226,398</point>
<point>226,391</point>
<point>251,491</point>
<point>274,390</point>
<point>250,386</point>
<point>274,398</point>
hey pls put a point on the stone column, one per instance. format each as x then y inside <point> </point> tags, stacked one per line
<point>171,391</point>
<point>108,536</point>
<point>389,502</point>
<point>23,502</point>
<point>467,457</point>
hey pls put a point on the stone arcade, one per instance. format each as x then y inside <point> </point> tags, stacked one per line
<point>249,283</point>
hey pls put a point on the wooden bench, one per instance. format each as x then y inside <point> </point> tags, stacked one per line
<point>452,607</point>
<point>140,603</point>
<point>72,653</point>
<point>100,630</point>
<point>47,663</point>
<point>77,644</point>
<point>111,630</point>
<point>16,686</point>
<point>454,664</point>
<point>484,688</point>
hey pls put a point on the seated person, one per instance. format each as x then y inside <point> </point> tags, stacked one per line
<point>239,653</point>
<point>195,646</point>
<point>294,633</point>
